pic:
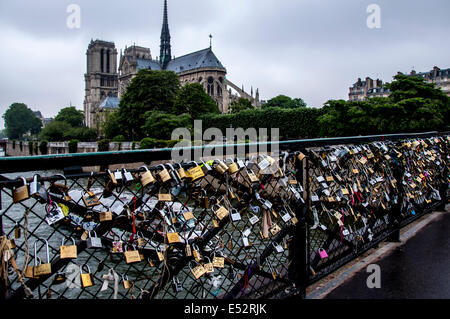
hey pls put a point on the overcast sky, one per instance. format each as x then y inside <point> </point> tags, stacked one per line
<point>313,49</point>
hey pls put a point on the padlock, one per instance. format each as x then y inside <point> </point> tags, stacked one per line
<point>29,270</point>
<point>105,216</point>
<point>164,197</point>
<point>128,177</point>
<point>188,250</point>
<point>322,253</point>
<point>42,269</point>
<point>177,287</point>
<point>206,167</point>
<point>235,215</point>
<point>59,278</point>
<point>117,246</point>
<point>17,231</point>
<point>59,188</point>
<point>218,261</point>
<point>160,254</point>
<point>181,172</point>
<point>174,176</point>
<point>197,271</point>
<point>233,167</point>
<point>91,199</point>
<point>54,213</point>
<point>38,191</point>
<point>141,241</point>
<point>195,172</point>
<point>196,253</point>
<point>252,176</point>
<point>209,267</point>
<point>93,242</point>
<point>112,177</point>
<point>147,177</point>
<point>87,280</point>
<point>132,256</point>
<point>118,176</point>
<point>221,212</point>
<point>173,237</point>
<point>221,167</point>
<point>68,252</point>
<point>21,193</point>
<point>163,174</point>
<point>126,282</point>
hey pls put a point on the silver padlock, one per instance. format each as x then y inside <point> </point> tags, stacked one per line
<point>93,242</point>
<point>235,215</point>
<point>128,176</point>
<point>118,176</point>
<point>38,191</point>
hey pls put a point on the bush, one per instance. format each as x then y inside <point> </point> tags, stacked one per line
<point>103,145</point>
<point>30,148</point>
<point>148,143</point>
<point>36,149</point>
<point>160,125</point>
<point>73,146</point>
<point>119,138</point>
<point>43,147</point>
<point>14,144</point>
<point>21,146</point>
<point>292,123</point>
<point>133,146</point>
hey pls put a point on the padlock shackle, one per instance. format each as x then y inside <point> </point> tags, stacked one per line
<point>63,240</point>
<point>146,168</point>
<point>24,180</point>
<point>82,266</point>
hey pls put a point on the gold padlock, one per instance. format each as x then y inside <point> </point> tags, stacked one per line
<point>29,270</point>
<point>132,256</point>
<point>164,174</point>
<point>221,212</point>
<point>105,216</point>
<point>233,167</point>
<point>112,178</point>
<point>42,269</point>
<point>221,167</point>
<point>147,177</point>
<point>21,193</point>
<point>126,282</point>
<point>209,267</point>
<point>198,271</point>
<point>68,252</point>
<point>195,172</point>
<point>164,197</point>
<point>181,171</point>
<point>87,280</point>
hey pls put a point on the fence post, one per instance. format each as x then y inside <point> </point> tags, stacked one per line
<point>298,267</point>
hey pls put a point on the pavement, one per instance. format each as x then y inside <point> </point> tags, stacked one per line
<point>415,268</point>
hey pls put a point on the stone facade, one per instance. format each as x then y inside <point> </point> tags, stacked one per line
<point>363,90</point>
<point>106,80</point>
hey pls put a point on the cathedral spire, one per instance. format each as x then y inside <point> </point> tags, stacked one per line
<point>166,52</point>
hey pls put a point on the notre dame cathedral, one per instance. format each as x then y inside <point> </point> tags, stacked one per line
<point>106,81</point>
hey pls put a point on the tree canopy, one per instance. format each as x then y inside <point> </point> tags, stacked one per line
<point>149,90</point>
<point>20,120</point>
<point>413,106</point>
<point>285,102</point>
<point>240,105</point>
<point>193,100</point>
<point>160,125</point>
<point>71,116</point>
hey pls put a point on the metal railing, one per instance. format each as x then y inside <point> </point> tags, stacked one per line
<point>260,227</point>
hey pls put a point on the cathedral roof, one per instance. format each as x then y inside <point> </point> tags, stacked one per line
<point>148,64</point>
<point>200,59</point>
<point>110,102</point>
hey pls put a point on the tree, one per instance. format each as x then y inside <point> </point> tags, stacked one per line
<point>160,125</point>
<point>285,102</point>
<point>55,131</point>
<point>149,90</point>
<point>240,105</point>
<point>71,116</point>
<point>192,99</point>
<point>111,126</point>
<point>19,120</point>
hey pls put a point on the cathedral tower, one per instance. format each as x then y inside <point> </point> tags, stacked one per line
<point>101,79</point>
<point>166,52</point>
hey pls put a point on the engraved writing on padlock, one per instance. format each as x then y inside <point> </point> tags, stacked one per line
<point>165,197</point>
<point>173,237</point>
<point>105,216</point>
<point>195,172</point>
<point>68,252</point>
<point>218,262</point>
<point>21,193</point>
<point>222,212</point>
<point>209,267</point>
<point>164,174</point>
<point>198,271</point>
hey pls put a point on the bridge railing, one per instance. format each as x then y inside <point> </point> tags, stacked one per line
<point>264,226</point>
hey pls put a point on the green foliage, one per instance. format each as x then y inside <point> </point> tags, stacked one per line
<point>103,145</point>
<point>149,143</point>
<point>111,125</point>
<point>292,123</point>
<point>14,144</point>
<point>160,125</point>
<point>62,131</point>
<point>241,105</point>
<point>73,146</point>
<point>70,115</point>
<point>193,100</point>
<point>413,106</point>
<point>119,138</point>
<point>133,146</point>
<point>19,120</point>
<point>43,147</point>
<point>21,146</point>
<point>36,148</point>
<point>285,102</point>
<point>149,90</point>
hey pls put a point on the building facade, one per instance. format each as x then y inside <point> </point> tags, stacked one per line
<point>441,78</point>
<point>106,81</point>
<point>363,90</point>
